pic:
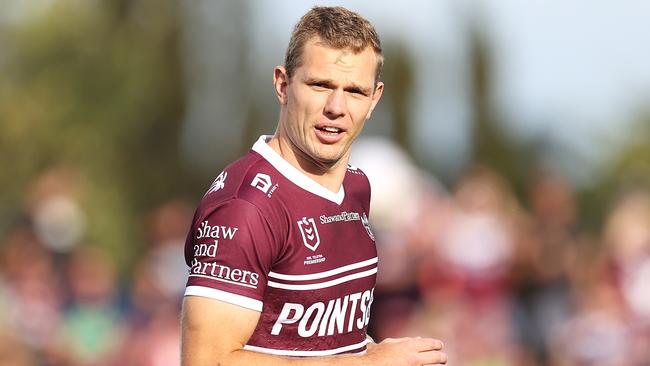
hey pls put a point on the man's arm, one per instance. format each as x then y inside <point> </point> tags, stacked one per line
<point>215,332</point>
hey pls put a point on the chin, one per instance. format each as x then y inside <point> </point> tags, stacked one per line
<point>330,156</point>
<point>329,160</point>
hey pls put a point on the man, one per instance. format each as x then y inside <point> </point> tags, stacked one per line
<point>282,260</point>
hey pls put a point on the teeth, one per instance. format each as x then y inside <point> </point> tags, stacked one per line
<point>331,129</point>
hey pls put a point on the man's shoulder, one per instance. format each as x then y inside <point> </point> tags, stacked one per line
<point>355,177</point>
<point>249,178</point>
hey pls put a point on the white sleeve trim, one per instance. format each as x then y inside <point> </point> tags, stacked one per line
<point>297,353</point>
<point>228,297</point>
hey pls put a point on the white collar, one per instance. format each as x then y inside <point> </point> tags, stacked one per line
<point>293,174</point>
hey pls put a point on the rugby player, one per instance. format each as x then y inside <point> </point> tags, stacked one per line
<point>282,259</point>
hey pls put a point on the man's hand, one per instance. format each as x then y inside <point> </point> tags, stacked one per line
<point>406,352</point>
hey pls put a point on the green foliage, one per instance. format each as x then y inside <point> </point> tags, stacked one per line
<point>627,170</point>
<point>398,73</point>
<point>491,144</point>
<point>95,86</point>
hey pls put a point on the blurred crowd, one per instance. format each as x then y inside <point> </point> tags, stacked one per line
<point>502,280</point>
<point>63,300</point>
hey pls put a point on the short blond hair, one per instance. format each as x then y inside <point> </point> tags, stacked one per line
<point>336,27</point>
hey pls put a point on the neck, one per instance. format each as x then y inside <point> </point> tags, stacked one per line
<point>329,176</point>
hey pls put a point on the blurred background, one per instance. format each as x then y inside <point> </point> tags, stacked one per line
<point>509,161</point>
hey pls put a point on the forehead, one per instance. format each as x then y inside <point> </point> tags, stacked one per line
<point>321,61</point>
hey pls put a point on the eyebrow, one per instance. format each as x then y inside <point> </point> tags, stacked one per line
<point>330,83</point>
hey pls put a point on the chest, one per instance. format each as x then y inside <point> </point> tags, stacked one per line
<point>326,237</point>
<point>322,284</point>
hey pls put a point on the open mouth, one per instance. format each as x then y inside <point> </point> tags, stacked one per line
<point>329,130</point>
<point>329,134</point>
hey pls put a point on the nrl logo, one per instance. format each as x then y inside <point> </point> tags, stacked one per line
<point>309,233</point>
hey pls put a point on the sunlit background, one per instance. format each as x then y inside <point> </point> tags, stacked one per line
<point>509,160</point>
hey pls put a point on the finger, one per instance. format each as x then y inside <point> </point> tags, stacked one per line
<point>433,358</point>
<point>393,340</point>
<point>427,344</point>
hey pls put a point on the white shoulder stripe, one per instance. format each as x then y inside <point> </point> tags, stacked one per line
<point>315,276</point>
<point>289,352</point>
<point>325,284</point>
<point>228,297</point>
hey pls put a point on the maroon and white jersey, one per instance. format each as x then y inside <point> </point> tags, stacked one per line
<point>269,238</point>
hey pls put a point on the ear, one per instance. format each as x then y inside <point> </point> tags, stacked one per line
<point>376,95</point>
<point>280,81</point>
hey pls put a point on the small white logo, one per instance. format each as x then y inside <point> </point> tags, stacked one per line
<point>218,183</point>
<point>366,224</point>
<point>343,216</point>
<point>262,182</point>
<point>309,233</point>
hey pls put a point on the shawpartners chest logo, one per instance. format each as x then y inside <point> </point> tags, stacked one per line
<point>309,233</point>
<point>366,224</point>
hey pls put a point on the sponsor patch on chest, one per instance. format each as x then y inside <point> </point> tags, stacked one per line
<point>336,316</point>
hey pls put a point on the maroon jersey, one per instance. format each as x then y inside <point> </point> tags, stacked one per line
<point>268,238</point>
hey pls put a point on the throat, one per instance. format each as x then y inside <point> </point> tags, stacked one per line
<point>328,174</point>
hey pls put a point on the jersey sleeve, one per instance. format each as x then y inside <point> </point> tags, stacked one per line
<point>229,251</point>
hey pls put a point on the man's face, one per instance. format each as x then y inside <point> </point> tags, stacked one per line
<point>327,101</point>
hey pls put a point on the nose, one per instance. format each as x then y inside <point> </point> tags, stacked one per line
<point>336,105</point>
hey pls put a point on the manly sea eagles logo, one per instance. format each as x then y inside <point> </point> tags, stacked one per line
<point>218,183</point>
<point>366,224</point>
<point>309,233</point>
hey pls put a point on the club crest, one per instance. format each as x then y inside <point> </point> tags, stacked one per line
<point>309,233</point>
<point>218,183</point>
<point>366,224</point>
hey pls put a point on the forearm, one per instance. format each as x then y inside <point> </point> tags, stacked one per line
<point>244,358</point>
<point>391,352</point>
